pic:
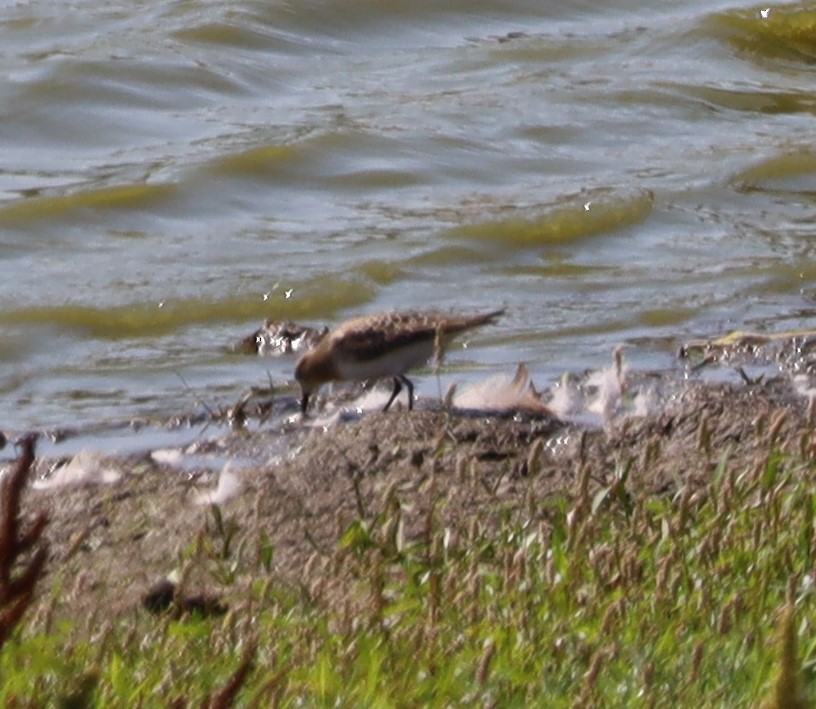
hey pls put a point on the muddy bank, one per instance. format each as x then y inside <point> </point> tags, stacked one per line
<point>284,508</point>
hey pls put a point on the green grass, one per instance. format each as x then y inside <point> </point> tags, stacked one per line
<point>607,597</point>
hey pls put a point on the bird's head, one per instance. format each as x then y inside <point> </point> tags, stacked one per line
<point>306,380</point>
<point>313,369</point>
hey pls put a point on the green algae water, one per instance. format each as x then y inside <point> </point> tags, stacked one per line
<point>171,174</point>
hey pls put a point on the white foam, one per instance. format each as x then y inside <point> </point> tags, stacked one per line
<point>229,485</point>
<point>167,456</point>
<point>501,392</point>
<point>645,402</point>
<point>566,398</point>
<point>801,384</point>
<point>88,467</point>
<point>610,383</point>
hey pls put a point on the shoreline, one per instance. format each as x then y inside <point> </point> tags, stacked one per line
<point>125,528</point>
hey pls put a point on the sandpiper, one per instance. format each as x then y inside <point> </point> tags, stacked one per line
<point>378,346</point>
<point>277,337</point>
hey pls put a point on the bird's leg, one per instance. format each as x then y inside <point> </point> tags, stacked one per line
<point>409,385</point>
<point>399,380</point>
<point>397,390</point>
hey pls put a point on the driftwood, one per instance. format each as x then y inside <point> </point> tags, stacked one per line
<point>18,577</point>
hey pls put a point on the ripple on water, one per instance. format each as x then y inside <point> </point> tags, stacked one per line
<point>578,219</point>
<point>627,171</point>
<point>788,33</point>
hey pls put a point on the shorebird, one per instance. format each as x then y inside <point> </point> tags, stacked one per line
<point>278,337</point>
<point>379,346</point>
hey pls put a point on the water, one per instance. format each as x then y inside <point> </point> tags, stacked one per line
<point>635,173</point>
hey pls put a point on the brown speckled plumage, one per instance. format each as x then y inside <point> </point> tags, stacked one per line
<point>384,345</point>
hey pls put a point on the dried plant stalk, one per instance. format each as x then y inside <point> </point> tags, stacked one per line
<point>225,697</point>
<point>17,589</point>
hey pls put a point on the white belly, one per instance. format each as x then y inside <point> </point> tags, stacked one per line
<point>389,364</point>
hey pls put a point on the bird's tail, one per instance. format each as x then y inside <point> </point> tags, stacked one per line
<point>487,317</point>
<point>471,321</point>
<point>491,316</point>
